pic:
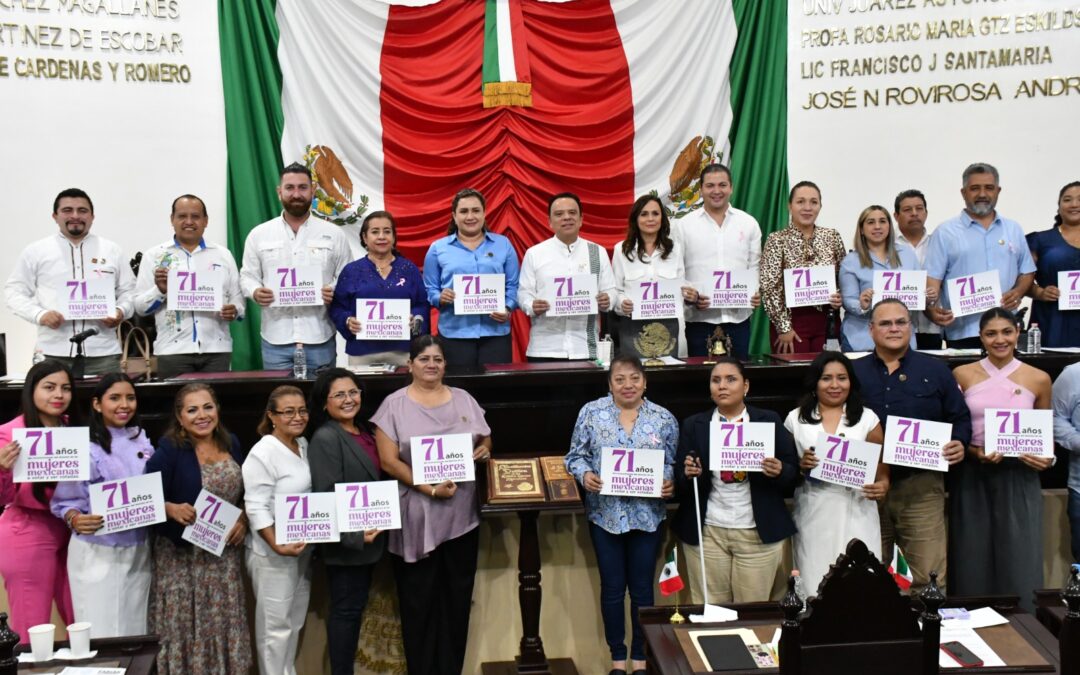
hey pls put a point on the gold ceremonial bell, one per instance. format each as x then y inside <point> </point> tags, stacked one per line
<point>717,344</point>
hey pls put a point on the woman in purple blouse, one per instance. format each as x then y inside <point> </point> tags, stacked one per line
<point>434,552</point>
<point>109,573</point>
<point>381,274</point>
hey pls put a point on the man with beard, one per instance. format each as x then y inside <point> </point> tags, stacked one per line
<point>909,209</point>
<point>53,269</point>
<point>290,240</point>
<point>717,236</point>
<point>977,240</point>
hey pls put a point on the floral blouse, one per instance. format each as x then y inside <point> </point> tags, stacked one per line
<point>786,249</point>
<point>598,427</point>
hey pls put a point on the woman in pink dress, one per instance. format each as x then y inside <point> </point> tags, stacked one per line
<point>33,542</point>
<point>995,502</point>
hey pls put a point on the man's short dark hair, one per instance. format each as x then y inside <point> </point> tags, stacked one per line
<point>295,167</point>
<point>196,198</point>
<point>889,301</point>
<point>74,193</point>
<point>908,194</point>
<point>564,195</point>
<point>715,167</point>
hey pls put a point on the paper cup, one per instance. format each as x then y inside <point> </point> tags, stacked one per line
<point>41,641</point>
<point>79,638</point>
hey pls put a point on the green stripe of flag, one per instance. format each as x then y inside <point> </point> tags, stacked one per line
<point>251,81</point>
<point>491,42</point>
<point>759,124</point>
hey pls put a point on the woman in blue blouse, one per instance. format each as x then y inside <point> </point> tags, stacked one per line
<point>625,531</point>
<point>470,248</point>
<point>875,250</point>
<point>1057,250</point>
<point>382,274</point>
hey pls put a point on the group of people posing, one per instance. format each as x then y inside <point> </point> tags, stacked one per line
<point>150,579</point>
<point>689,251</point>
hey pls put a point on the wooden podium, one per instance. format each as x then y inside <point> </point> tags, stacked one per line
<point>532,660</point>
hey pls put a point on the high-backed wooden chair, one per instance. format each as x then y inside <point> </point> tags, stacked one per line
<point>1069,637</point>
<point>860,622</point>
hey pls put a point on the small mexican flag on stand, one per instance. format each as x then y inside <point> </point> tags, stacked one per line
<point>899,569</point>
<point>670,581</point>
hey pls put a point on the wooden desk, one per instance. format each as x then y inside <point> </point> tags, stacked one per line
<point>666,657</point>
<point>138,655</point>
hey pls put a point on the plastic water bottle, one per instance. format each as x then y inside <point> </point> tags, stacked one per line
<point>1034,339</point>
<point>299,362</point>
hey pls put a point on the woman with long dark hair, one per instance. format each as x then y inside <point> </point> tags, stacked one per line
<point>342,450</point>
<point>470,247</point>
<point>828,515</point>
<point>1057,250</point>
<point>34,544</point>
<point>109,573</point>
<point>196,598</point>
<point>997,501</point>
<point>648,253</point>
<point>382,274</point>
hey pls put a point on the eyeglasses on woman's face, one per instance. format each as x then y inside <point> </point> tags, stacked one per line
<point>290,413</point>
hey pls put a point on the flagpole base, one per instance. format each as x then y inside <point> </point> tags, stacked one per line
<point>677,618</point>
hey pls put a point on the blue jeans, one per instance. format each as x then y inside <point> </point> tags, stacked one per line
<point>348,586</point>
<point>279,357</point>
<point>1074,523</point>
<point>626,562</point>
<point>698,332</point>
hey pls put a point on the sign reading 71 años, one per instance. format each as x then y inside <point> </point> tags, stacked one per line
<point>128,503</point>
<point>309,518</point>
<point>51,454</point>
<point>632,472</point>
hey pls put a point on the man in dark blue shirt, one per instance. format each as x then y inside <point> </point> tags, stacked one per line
<point>898,381</point>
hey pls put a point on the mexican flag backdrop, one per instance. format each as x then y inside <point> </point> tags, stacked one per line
<point>398,105</point>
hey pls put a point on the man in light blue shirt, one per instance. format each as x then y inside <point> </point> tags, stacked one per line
<point>977,240</point>
<point>470,248</point>
<point>1066,405</point>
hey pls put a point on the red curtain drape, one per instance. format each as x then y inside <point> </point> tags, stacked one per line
<point>438,138</point>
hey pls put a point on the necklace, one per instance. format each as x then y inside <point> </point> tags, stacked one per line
<point>382,269</point>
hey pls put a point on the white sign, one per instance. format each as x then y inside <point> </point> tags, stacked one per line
<point>88,299</point>
<point>740,446</point>
<point>368,506</point>
<point>1070,290</point>
<point>441,458</point>
<point>479,294</point>
<point>195,290</point>
<point>659,299</point>
<point>845,461</point>
<point>916,443</point>
<point>632,472</point>
<point>214,520</point>
<point>128,503</point>
<point>309,518</point>
<point>570,295</point>
<point>974,293</point>
<point>297,286</point>
<point>809,286</point>
<point>732,289</point>
<point>907,286</point>
<point>1019,432</point>
<point>383,319</point>
<point>51,454</point>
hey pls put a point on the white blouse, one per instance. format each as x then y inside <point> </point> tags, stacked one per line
<point>270,469</point>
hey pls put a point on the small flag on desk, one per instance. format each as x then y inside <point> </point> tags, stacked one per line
<point>670,581</point>
<point>899,569</point>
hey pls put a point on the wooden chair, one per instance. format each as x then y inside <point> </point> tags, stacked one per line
<point>1069,637</point>
<point>860,622</point>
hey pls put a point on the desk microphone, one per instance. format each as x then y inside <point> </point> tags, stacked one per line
<point>79,338</point>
